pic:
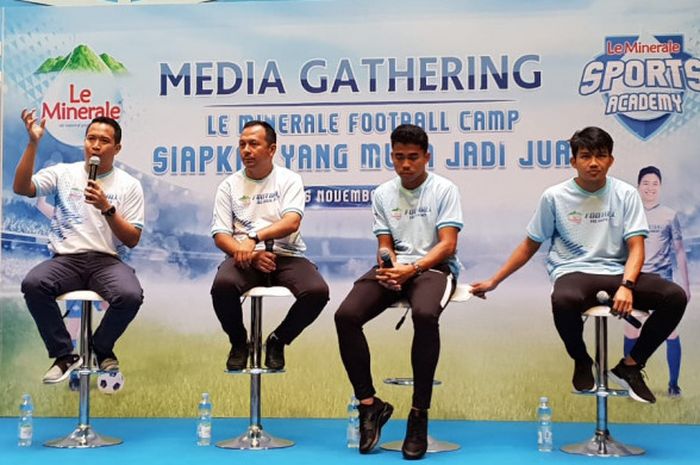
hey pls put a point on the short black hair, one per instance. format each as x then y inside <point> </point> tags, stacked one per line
<point>111,122</point>
<point>410,134</point>
<point>591,138</point>
<point>648,170</point>
<point>270,134</point>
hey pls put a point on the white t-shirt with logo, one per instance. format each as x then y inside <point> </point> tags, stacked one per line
<point>245,205</point>
<point>664,229</point>
<point>78,227</point>
<point>588,230</point>
<point>413,217</point>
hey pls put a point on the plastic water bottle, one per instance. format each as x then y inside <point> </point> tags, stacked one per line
<point>25,428</point>
<point>353,432</point>
<point>204,421</point>
<point>544,428</point>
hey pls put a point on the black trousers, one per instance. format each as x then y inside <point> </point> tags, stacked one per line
<point>427,294</point>
<point>574,293</point>
<point>297,274</point>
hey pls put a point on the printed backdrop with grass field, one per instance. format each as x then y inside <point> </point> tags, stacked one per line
<point>499,87</point>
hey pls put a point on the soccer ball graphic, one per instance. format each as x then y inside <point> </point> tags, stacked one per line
<point>110,382</point>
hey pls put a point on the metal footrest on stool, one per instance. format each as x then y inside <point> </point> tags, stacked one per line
<point>602,444</point>
<point>255,438</point>
<point>434,445</point>
<point>84,436</point>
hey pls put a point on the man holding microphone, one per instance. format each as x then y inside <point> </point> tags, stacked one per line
<point>99,211</point>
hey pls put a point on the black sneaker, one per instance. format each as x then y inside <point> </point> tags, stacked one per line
<point>274,352</point>
<point>237,358</point>
<point>631,377</point>
<point>372,418</point>
<point>415,445</point>
<point>583,379</point>
<point>61,368</point>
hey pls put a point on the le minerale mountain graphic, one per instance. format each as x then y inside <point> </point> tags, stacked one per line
<point>83,59</point>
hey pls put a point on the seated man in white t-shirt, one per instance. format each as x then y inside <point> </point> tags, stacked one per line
<point>262,202</point>
<point>597,227</point>
<point>91,225</point>
<point>417,218</point>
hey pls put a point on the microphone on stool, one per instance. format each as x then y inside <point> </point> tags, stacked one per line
<point>604,298</point>
<point>269,246</point>
<point>94,164</point>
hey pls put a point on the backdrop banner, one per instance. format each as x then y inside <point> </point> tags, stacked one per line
<point>499,87</point>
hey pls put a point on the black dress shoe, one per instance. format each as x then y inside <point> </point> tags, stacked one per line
<point>274,353</point>
<point>237,358</point>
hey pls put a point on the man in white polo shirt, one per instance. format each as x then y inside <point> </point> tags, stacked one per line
<point>262,202</point>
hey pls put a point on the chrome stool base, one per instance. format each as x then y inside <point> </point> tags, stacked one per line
<point>83,437</point>
<point>602,445</point>
<point>434,445</point>
<point>255,439</point>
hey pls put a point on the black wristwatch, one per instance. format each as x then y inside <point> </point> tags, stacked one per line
<point>110,211</point>
<point>628,284</point>
<point>254,236</point>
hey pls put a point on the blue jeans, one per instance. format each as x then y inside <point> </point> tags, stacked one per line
<point>105,274</point>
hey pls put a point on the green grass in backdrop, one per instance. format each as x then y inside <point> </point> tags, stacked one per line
<point>497,359</point>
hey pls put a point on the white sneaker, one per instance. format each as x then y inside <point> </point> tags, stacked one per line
<point>61,368</point>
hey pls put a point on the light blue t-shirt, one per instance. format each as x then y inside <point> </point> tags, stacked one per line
<point>664,229</point>
<point>588,230</point>
<point>413,217</point>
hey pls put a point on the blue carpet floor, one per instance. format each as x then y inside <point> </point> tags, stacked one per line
<point>172,441</point>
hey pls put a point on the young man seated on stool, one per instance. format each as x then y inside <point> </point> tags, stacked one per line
<point>417,217</point>
<point>92,224</point>
<point>597,227</point>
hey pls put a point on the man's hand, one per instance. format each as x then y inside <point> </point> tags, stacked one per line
<point>35,131</point>
<point>393,278</point>
<point>95,196</point>
<point>622,302</point>
<point>480,288</point>
<point>244,255</point>
<point>264,261</point>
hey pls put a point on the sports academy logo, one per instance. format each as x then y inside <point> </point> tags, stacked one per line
<point>644,82</point>
<point>83,86</point>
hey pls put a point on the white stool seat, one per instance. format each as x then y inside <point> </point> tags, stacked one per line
<point>605,311</point>
<point>274,291</point>
<point>91,296</point>
<point>462,293</point>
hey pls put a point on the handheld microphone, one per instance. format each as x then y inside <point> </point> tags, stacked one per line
<point>94,164</point>
<point>385,256</point>
<point>604,298</point>
<point>269,246</point>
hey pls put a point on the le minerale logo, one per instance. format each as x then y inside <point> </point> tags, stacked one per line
<point>83,86</point>
<point>643,81</point>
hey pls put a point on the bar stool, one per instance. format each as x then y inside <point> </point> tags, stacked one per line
<point>462,294</point>
<point>602,444</point>
<point>255,438</point>
<point>84,436</point>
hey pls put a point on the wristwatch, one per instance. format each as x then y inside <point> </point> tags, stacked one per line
<point>417,269</point>
<point>254,236</point>
<point>110,211</point>
<point>628,284</point>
